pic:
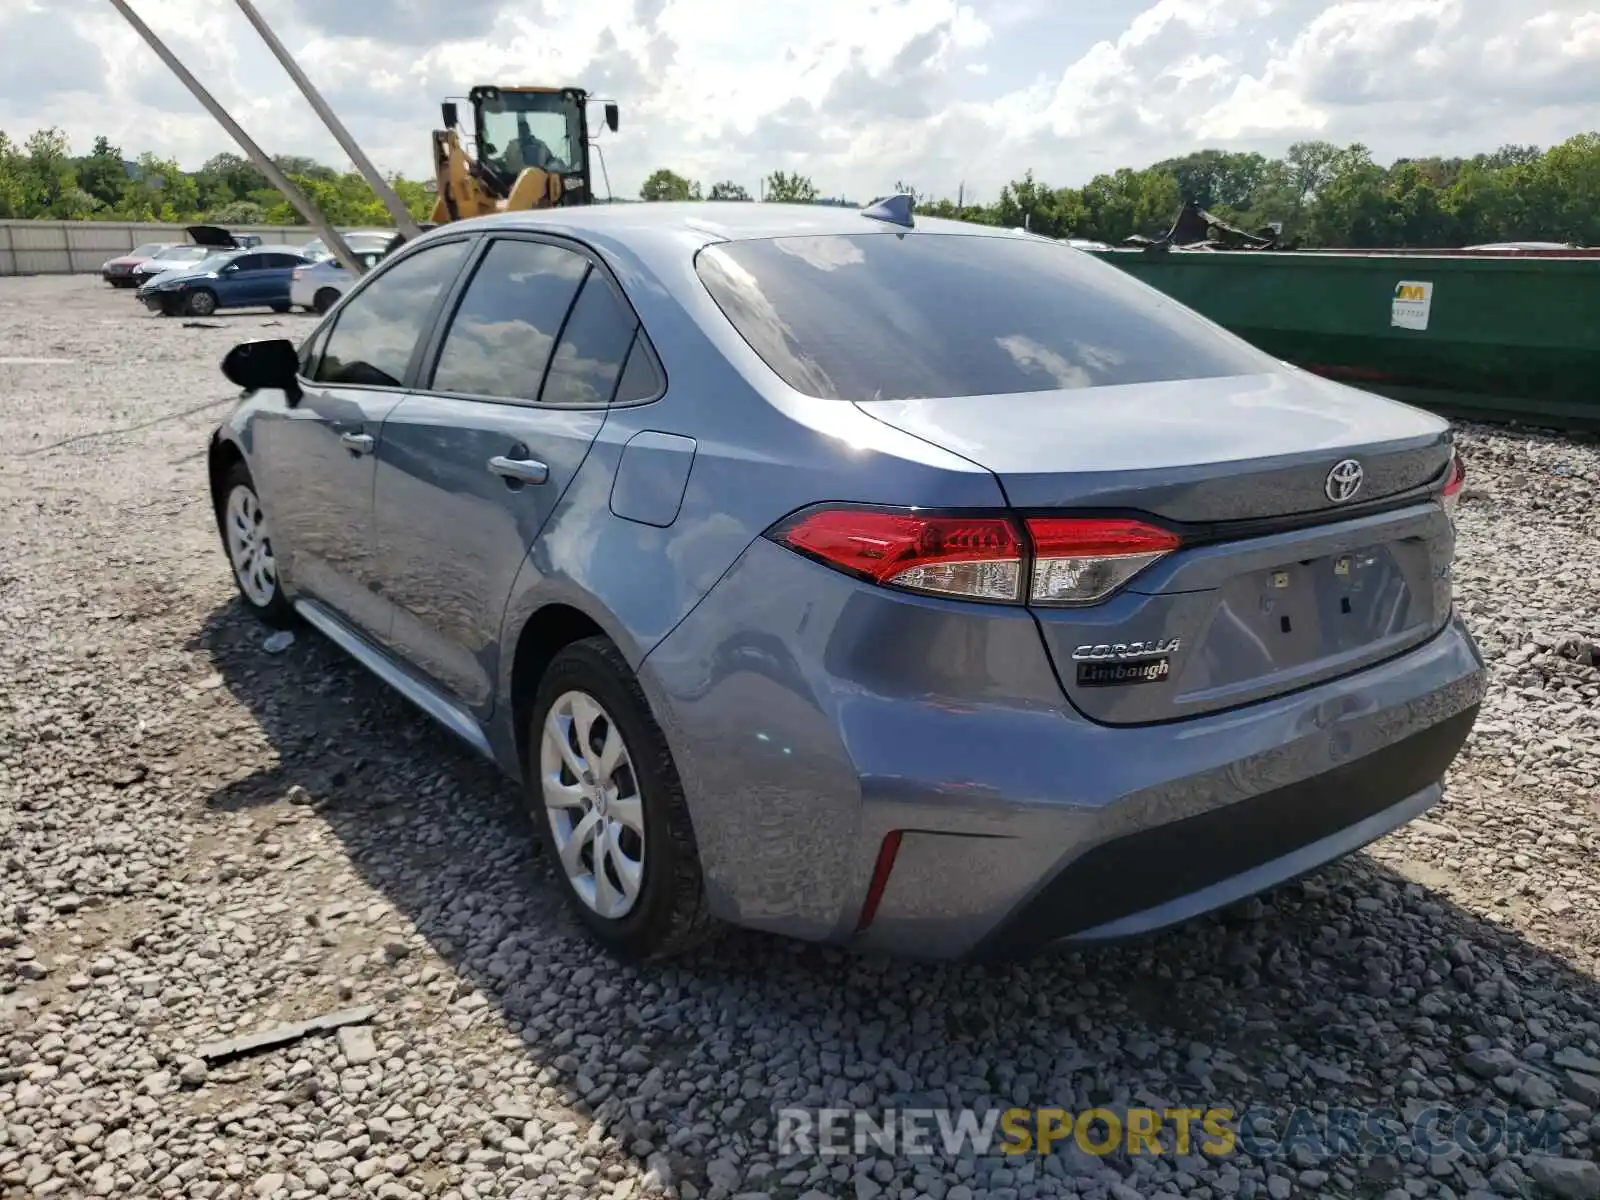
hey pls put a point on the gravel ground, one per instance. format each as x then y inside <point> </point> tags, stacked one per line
<point>200,839</point>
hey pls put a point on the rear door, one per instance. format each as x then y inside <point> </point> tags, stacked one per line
<point>276,274</point>
<point>315,461</point>
<point>475,460</point>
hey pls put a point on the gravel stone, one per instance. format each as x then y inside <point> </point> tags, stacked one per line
<point>1569,1178</point>
<point>201,839</point>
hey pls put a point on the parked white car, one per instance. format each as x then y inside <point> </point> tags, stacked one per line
<point>359,240</point>
<point>317,287</point>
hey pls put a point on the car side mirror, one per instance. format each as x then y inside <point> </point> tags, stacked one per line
<point>270,363</point>
<point>611,117</point>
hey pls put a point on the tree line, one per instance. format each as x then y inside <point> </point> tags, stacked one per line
<point>1321,194</point>
<point>42,179</point>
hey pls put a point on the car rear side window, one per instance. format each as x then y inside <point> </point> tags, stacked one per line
<point>879,316</point>
<point>593,349</point>
<point>500,338</point>
<point>377,329</point>
<point>641,376</point>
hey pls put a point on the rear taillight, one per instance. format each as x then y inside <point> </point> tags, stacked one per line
<point>1450,494</point>
<point>1065,560</point>
<point>976,557</point>
<point>1079,560</point>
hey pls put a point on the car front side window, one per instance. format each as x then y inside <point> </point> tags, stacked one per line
<point>377,328</point>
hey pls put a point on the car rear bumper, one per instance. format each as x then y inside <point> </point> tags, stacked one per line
<point>812,715</point>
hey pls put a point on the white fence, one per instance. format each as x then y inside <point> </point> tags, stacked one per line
<point>79,247</point>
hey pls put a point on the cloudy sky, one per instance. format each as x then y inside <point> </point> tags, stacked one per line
<point>855,93</point>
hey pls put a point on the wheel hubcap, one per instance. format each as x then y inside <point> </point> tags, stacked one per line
<point>592,802</point>
<point>250,546</point>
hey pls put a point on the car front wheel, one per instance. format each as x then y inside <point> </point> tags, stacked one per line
<point>607,801</point>
<point>248,540</point>
<point>201,303</point>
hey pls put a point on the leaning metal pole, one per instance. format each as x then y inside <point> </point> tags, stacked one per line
<point>257,155</point>
<point>403,219</point>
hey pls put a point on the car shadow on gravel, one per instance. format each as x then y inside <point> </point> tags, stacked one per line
<point>1355,987</point>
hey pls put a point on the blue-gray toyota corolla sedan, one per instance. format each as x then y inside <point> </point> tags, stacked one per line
<point>857,576</point>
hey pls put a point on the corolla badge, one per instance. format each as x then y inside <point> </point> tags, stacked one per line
<point>1344,481</point>
<point>1123,650</point>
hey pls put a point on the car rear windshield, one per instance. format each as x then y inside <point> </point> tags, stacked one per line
<point>879,316</point>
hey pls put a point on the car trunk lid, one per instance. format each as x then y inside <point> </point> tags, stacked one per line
<point>1201,450</point>
<point>1289,569</point>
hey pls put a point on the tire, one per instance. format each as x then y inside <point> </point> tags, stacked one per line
<point>665,914</point>
<point>201,302</point>
<point>239,510</point>
<point>281,308</point>
<point>325,299</point>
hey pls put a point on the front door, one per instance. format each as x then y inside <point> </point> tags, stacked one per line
<point>473,463</point>
<point>319,456</point>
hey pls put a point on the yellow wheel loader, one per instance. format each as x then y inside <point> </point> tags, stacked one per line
<point>532,151</point>
<point>530,147</point>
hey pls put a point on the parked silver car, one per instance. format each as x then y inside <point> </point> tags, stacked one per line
<point>318,286</point>
<point>173,258</point>
<point>861,577</point>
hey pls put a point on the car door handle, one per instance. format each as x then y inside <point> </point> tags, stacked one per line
<point>357,443</point>
<point>523,470</point>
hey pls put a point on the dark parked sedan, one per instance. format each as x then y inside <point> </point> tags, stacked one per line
<point>118,271</point>
<point>859,577</point>
<point>254,278</point>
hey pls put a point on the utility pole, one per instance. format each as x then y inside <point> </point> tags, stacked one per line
<point>403,219</point>
<point>961,196</point>
<point>257,155</point>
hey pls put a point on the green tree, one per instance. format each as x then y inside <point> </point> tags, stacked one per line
<point>1564,185</point>
<point>1127,202</point>
<point>13,181</point>
<point>159,191</point>
<point>50,186</point>
<point>1217,180</point>
<point>1351,207</point>
<point>665,184</point>
<point>790,188</point>
<point>1028,204</point>
<point>101,173</point>
<point>728,190</point>
<point>237,212</point>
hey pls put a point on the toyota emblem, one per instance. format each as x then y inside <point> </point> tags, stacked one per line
<point>1344,481</point>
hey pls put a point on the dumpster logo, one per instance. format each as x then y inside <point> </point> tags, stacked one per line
<point>1412,304</point>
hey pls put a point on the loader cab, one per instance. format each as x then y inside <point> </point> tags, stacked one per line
<point>548,128</point>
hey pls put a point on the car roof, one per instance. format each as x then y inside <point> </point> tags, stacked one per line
<point>706,222</point>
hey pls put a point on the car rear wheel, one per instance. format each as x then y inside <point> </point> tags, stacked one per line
<point>325,299</point>
<point>605,796</point>
<point>281,308</point>
<point>202,302</point>
<point>248,540</point>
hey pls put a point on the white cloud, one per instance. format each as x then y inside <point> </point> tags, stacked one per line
<point>936,92</point>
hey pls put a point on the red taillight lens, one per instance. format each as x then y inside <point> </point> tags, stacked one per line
<point>979,558</point>
<point>1075,560</point>
<point>1081,560</point>
<point>1450,496</point>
